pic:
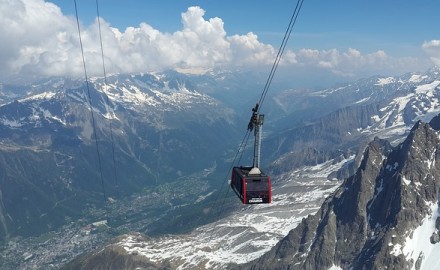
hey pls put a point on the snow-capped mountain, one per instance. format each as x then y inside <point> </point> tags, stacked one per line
<point>170,125</point>
<point>162,129</point>
<point>380,106</point>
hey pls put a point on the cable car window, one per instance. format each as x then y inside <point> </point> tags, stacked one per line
<point>257,186</point>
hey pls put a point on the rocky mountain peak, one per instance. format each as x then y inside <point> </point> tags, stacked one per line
<point>373,220</point>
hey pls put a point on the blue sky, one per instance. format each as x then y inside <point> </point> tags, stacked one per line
<point>344,39</point>
<point>400,26</point>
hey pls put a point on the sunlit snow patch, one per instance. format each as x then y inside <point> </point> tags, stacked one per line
<point>385,81</point>
<point>45,95</point>
<point>418,243</point>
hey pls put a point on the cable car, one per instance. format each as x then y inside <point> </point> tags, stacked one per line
<point>251,187</point>
<point>250,184</point>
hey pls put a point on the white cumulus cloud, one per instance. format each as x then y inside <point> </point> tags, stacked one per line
<point>432,49</point>
<point>353,63</point>
<point>44,42</point>
<point>33,33</point>
<point>39,40</point>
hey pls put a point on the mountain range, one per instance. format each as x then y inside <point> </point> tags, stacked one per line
<point>168,126</point>
<point>56,155</point>
<point>379,106</point>
<point>329,146</point>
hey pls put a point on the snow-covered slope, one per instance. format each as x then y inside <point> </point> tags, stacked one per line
<point>404,100</point>
<point>245,234</point>
<point>418,242</point>
<point>422,103</point>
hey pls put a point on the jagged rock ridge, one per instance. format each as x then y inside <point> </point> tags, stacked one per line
<point>371,221</point>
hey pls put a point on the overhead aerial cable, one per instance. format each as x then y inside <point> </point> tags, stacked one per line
<point>90,104</point>
<point>286,37</point>
<point>107,102</point>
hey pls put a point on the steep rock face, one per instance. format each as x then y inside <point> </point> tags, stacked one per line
<point>308,156</point>
<point>327,138</point>
<point>350,167</point>
<point>330,130</point>
<point>367,222</point>
<point>315,236</point>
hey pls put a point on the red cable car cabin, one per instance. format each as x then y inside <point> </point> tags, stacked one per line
<point>251,188</point>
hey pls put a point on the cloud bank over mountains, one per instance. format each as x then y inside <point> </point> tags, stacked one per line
<point>432,49</point>
<point>40,41</point>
